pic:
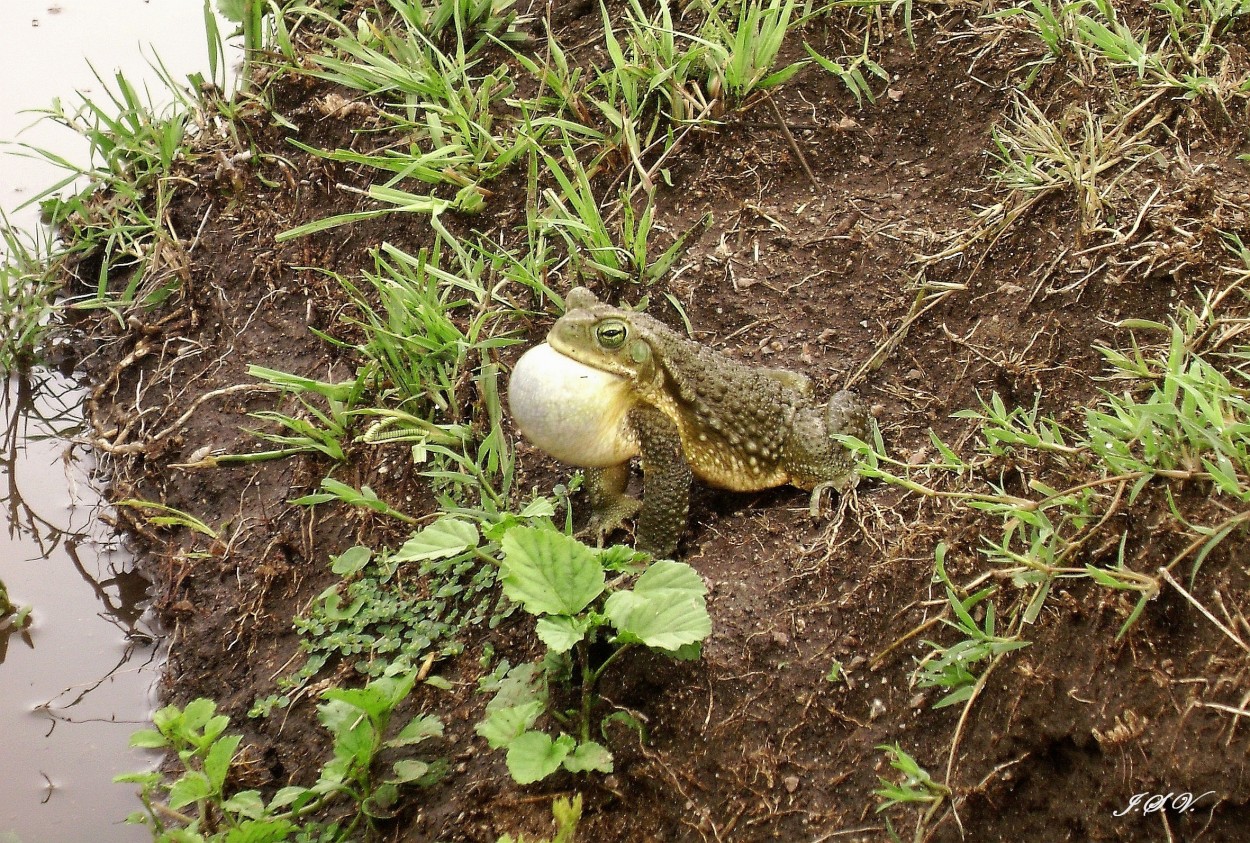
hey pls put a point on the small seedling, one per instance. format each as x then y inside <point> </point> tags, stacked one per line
<point>567,814</point>
<point>198,804</point>
<point>916,788</point>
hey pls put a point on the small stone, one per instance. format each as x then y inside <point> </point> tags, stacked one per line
<point>876,709</point>
<point>791,783</point>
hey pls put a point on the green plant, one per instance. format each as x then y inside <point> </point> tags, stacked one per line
<point>1180,418</point>
<point>198,804</point>
<point>28,286</point>
<point>462,20</point>
<point>400,607</point>
<point>567,814</point>
<point>446,113</point>
<point>1054,23</point>
<point>563,583</point>
<point>119,216</point>
<point>850,71</point>
<point>950,667</point>
<point>741,53</point>
<point>1181,60</point>
<point>335,490</point>
<point>1084,153</point>
<point>622,254</point>
<point>311,430</point>
<point>250,15</point>
<point>917,787</point>
<point>12,616</point>
<point>170,517</point>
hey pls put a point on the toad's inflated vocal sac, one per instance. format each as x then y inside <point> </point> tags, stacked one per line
<point>612,384</point>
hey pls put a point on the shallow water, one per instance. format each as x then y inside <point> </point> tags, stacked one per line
<point>77,682</point>
<point>79,679</point>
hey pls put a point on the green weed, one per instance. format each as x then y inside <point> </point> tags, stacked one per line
<point>1179,419</point>
<point>917,787</point>
<point>742,52</point>
<point>1188,57</point>
<point>12,616</point>
<point>850,71</point>
<point>567,813</point>
<point>951,667</point>
<point>1085,154</point>
<point>564,584</point>
<point>198,805</point>
<point>29,282</point>
<point>119,217</point>
<point>400,606</point>
<point>618,252</point>
<point>171,517</point>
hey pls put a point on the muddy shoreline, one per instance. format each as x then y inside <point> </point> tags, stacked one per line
<point>754,741</point>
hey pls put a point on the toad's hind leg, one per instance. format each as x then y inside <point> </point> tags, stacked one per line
<point>846,413</point>
<point>666,482</point>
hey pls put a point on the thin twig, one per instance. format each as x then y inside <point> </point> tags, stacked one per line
<point>1167,575</point>
<point>794,146</point>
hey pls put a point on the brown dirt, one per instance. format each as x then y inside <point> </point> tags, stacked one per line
<point>751,743</point>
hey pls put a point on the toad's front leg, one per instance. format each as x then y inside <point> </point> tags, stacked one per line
<point>666,482</point>
<point>610,506</point>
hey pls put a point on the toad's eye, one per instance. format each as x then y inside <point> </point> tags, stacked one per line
<point>611,334</point>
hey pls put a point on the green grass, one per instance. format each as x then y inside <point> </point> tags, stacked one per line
<point>1084,154</point>
<point>916,788</point>
<point>29,283</point>
<point>118,219</point>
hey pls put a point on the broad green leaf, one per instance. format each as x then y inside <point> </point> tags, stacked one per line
<point>197,714</point>
<point>232,10</point>
<point>379,696</point>
<point>379,803</point>
<point>190,788</point>
<point>148,780</point>
<point>521,684</point>
<point>409,770</point>
<point>353,733</point>
<point>420,728</point>
<point>667,576</point>
<point>549,573</point>
<point>560,632</point>
<point>686,652</point>
<point>148,739</point>
<point>505,725</point>
<point>290,795</point>
<point>665,610</point>
<point>666,622</point>
<point>217,762</point>
<point>445,537</point>
<point>351,561</point>
<point>247,803</point>
<point>266,830</point>
<point>539,508</point>
<point>534,755</point>
<point>589,756</point>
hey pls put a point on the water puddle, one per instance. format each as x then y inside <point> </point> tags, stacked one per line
<point>80,678</point>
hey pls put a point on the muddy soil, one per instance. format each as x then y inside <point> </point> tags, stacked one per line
<point>817,274</point>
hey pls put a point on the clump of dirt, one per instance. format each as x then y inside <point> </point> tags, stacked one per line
<point>755,741</point>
